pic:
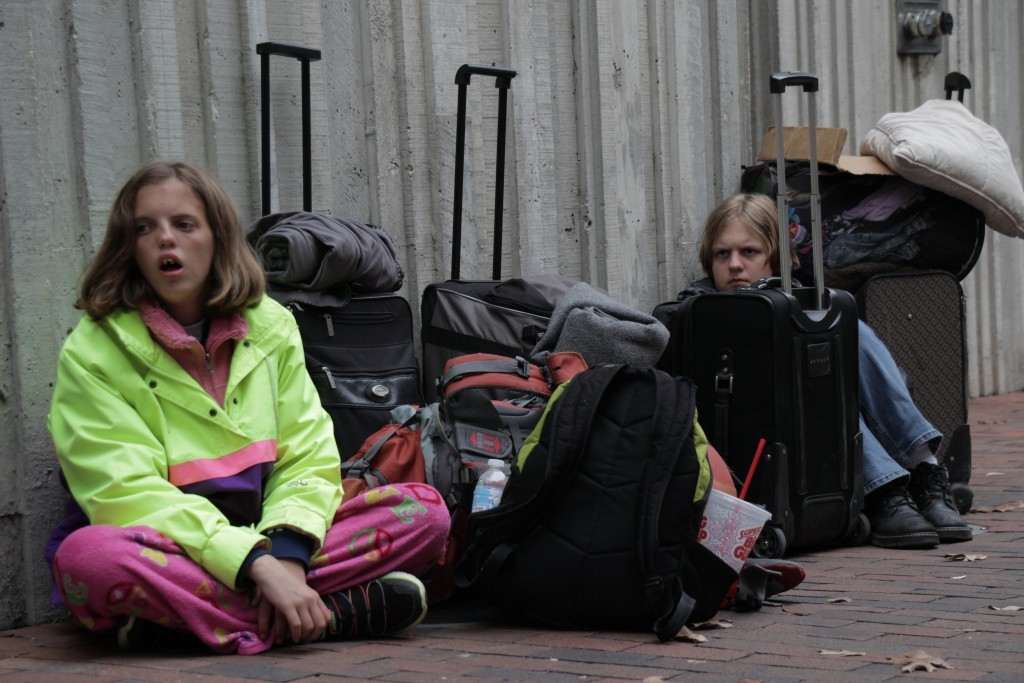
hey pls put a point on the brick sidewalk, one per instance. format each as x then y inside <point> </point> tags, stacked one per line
<point>892,602</point>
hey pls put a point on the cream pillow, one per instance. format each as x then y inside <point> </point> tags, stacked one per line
<point>943,146</point>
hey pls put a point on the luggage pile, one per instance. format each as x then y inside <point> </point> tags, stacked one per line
<point>543,370</point>
<point>590,406</point>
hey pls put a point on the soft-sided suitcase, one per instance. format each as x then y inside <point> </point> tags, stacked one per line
<point>781,365</point>
<point>920,317</point>
<point>361,356</point>
<point>460,317</point>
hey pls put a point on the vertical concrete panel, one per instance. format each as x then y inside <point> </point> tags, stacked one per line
<point>298,23</point>
<point>224,98</point>
<point>413,98</point>
<point>387,195</point>
<point>349,110</point>
<point>589,132</point>
<point>561,170</point>
<point>623,68</point>
<point>446,30</point>
<point>39,218</point>
<point>155,41</point>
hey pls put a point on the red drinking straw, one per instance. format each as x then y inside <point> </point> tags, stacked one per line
<point>753,466</point>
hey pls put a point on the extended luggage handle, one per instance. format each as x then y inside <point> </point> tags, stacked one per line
<point>778,82</point>
<point>305,55</point>
<point>503,81</point>
<point>956,81</point>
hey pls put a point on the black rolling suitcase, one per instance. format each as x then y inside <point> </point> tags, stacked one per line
<point>458,316</point>
<point>781,365</point>
<point>361,355</point>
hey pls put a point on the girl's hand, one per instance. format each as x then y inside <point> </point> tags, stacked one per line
<point>285,602</point>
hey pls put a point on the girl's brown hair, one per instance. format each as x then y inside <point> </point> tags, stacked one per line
<point>756,211</point>
<point>113,280</point>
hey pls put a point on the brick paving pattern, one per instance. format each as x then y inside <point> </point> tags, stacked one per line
<point>871,604</point>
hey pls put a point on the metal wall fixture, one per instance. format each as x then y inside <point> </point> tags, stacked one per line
<point>920,25</point>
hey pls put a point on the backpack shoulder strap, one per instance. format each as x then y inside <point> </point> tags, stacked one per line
<point>673,424</point>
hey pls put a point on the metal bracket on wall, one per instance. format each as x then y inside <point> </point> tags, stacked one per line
<point>920,25</point>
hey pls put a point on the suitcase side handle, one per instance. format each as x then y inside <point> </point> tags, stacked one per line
<point>503,81</point>
<point>304,55</point>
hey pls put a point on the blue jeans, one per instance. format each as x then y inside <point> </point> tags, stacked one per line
<point>892,426</point>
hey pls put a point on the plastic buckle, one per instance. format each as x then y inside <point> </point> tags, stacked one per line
<point>727,380</point>
<point>522,367</point>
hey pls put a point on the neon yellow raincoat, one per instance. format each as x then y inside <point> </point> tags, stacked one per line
<point>142,443</point>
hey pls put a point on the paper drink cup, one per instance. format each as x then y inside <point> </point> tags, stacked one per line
<point>730,527</point>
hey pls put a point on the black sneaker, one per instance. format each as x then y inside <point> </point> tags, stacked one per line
<point>929,485</point>
<point>382,607</point>
<point>895,520</point>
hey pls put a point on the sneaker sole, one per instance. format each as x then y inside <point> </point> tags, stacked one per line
<point>420,588</point>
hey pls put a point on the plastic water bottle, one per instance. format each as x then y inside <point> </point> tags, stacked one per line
<point>490,485</point>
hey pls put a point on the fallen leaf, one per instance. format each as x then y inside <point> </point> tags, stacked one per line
<point>688,636</point>
<point>1002,507</point>
<point>839,600</point>
<point>993,474</point>
<point>1008,608</point>
<point>957,578</point>
<point>654,679</point>
<point>841,653</point>
<point>965,557</point>
<point>715,623</point>
<point>790,610</point>
<point>919,660</point>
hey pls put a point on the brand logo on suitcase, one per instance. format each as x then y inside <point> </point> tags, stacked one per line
<point>819,359</point>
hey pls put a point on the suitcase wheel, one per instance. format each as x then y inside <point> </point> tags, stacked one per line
<point>771,543</point>
<point>861,531</point>
<point>963,496</point>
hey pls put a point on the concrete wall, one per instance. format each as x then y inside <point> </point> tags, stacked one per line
<point>629,120</point>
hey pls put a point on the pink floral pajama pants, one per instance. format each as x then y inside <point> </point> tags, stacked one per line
<point>104,572</point>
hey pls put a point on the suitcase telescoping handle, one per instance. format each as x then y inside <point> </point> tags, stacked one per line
<point>305,55</point>
<point>956,81</point>
<point>503,81</point>
<point>777,86</point>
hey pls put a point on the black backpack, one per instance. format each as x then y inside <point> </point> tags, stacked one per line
<point>597,526</point>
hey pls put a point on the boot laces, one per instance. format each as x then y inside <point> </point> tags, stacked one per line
<point>936,485</point>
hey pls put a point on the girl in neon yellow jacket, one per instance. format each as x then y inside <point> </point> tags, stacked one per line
<point>191,436</point>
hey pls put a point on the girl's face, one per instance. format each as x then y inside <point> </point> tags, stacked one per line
<point>739,257</point>
<point>174,247</point>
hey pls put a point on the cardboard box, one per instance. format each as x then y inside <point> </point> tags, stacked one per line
<point>796,147</point>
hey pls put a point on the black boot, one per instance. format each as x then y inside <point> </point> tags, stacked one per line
<point>929,485</point>
<point>896,521</point>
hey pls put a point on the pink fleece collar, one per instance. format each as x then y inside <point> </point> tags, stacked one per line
<point>171,334</point>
